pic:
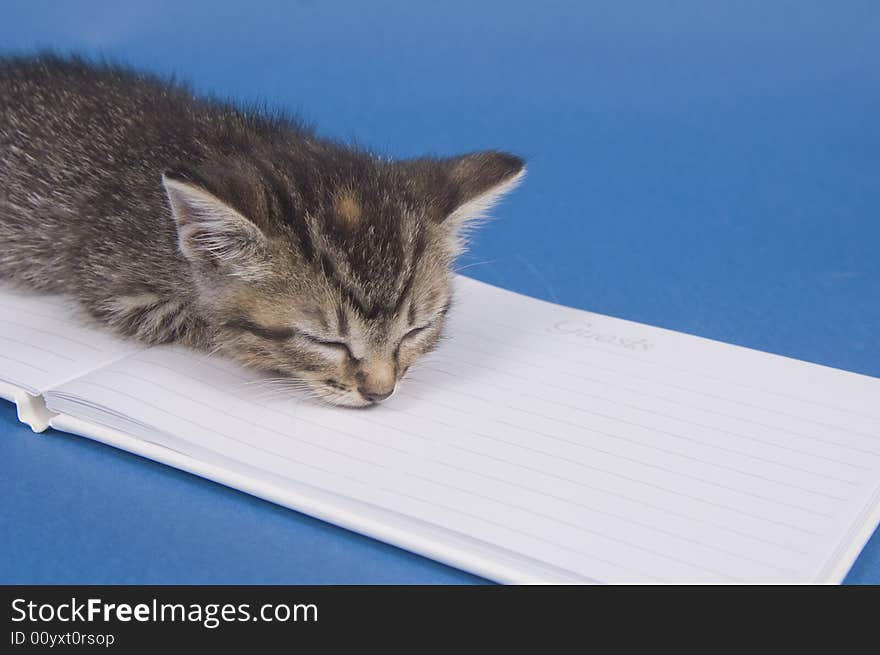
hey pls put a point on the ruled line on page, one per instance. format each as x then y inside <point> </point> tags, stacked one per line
<point>569,361</point>
<point>594,509</point>
<point>775,462</point>
<point>21,362</point>
<point>492,403</point>
<point>729,508</point>
<point>266,408</point>
<point>612,454</point>
<point>554,544</point>
<point>251,425</point>
<point>667,384</point>
<point>633,441</point>
<point>650,465</point>
<point>207,361</point>
<point>585,530</point>
<point>525,378</point>
<point>604,382</point>
<point>41,349</point>
<point>51,333</point>
<point>57,346</point>
<point>717,413</point>
<point>580,483</point>
<point>640,360</point>
<point>687,517</point>
<point>619,517</point>
<point>214,431</point>
<point>45,301</point>
<point>698,441</point>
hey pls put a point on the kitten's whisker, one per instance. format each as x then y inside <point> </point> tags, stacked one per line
<point>459,269</point>
<point>272,383</point>
<point>270,389</point>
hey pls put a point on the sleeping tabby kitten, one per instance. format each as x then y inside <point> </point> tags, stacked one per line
<point>178,219</point>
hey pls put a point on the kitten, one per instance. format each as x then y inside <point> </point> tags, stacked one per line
<point>178,219</point>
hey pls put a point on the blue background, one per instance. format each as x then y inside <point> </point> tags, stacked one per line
<point>710,167</point>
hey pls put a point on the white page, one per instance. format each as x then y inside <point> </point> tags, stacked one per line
<point>43,343</point>
<point>410,533</point>
<point>614,450</point>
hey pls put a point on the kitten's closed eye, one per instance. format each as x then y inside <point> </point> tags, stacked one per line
<point>286,334</point>
<point>340,346</point>
<point>415,331</point>
<point>408,338</point>
<point>272,334</point>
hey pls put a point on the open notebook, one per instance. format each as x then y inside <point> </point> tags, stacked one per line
<point>539,444</point>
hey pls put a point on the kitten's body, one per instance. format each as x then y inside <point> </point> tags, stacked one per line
<point>265,242</point>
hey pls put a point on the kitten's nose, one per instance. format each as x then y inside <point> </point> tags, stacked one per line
<point>376,381</point>
<point>375,396</point>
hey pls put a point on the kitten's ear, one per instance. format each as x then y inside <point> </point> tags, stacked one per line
<point>476,182</point>
<point>481,179</point>
<point>211,232</point>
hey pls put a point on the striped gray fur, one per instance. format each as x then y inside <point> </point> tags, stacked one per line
<point>173,218</point>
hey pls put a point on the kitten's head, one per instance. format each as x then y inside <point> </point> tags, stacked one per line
<point>338,272</point>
